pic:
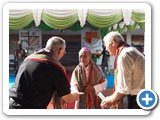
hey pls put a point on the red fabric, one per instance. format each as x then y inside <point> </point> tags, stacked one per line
<point>45,60</point>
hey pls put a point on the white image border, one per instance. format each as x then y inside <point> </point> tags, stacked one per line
<point>5,52</point>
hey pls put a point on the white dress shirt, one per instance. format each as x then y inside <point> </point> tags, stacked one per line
<point>131,71</point>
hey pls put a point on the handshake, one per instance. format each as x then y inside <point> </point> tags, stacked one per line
<point>69,98</point>
<point>76,95</point>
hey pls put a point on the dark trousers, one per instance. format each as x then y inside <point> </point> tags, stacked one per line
<point>132,103</point>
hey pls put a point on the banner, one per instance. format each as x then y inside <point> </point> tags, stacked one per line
<point>30,39</point>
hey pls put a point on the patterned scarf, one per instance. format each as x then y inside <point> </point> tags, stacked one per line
<point>90,100</point>
<point>46,55</point>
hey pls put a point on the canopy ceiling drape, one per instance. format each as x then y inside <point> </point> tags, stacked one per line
<point>75,19</point>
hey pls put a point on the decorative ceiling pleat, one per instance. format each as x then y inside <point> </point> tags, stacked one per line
<point>138,16</point>
<point>61,13</point>
<point>62,19</point>
<point>82,14</point>
<point>136,20</point>
<point>37,16</point>
<point>16,13</point>
<point>104,12</point>
<point>19,18</point>
<point>127,13</point>
<point>20,22</point>
<point>102,19</point>
<point>114,19</point>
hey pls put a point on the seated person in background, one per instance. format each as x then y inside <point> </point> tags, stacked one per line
<point>19,56</point>
<point>87,77</point>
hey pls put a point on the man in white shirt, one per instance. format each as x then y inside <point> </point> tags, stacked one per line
<point>130,71</point>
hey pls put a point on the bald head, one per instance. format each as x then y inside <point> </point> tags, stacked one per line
<point>85,49</point>
<point>55,43</point>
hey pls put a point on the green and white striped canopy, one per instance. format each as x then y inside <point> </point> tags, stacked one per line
<point>75,19</point>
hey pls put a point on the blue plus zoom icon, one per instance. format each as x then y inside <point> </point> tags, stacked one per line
<point>147,99</point>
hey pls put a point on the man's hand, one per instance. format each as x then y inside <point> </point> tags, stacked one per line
<point>106,102</point>
<point>77,94</point>
<point>69,98</point>
<point>110,100</point>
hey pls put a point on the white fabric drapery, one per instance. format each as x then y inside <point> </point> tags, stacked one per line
<point>127,13</point>
<point>80,13</point>
<point>16,13</point>
<point>37,16</point>
<point>60,13</point>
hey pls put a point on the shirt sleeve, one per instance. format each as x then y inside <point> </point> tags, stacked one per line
<point>125,66</point>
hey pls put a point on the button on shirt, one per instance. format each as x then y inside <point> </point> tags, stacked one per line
<point>131,71</point>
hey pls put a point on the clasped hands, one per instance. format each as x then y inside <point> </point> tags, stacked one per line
<point>88,89</point>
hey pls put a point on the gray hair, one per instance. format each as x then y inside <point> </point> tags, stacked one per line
<point>116,36</point>
<point>55,43</point>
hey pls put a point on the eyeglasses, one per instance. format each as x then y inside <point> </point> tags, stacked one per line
<point>63,51</point>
